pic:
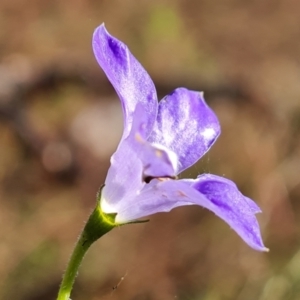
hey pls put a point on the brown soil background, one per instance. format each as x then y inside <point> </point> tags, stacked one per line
<point>60,121</point>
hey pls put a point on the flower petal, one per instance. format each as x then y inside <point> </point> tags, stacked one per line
<point>135,162</point>
<point>126,179</point>
<point>160,195</point>
<point>229,204</point>
<point>185,125</point>
<point>123,180</point>
<point>157,160</point>
<point>212,192</point>
<point>129,78</point>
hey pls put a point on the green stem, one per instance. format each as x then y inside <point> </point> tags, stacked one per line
<point>97,225</point>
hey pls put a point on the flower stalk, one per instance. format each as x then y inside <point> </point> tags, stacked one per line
<point>97,225</point>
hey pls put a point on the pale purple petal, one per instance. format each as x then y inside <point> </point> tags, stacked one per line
<point>160,195</point>
<point>230,205</point>
<point>124,178</point>
<point>253,206</point>
<point>134,163</point>
<point>157,161</point>
<point>130,170</point>
<point>215,194</point>
<point>185,125</point>
<point>129,78</point>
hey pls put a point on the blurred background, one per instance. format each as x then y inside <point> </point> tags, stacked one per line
<point>60,121</point>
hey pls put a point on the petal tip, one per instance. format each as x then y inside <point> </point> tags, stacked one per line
<point>101,29</point>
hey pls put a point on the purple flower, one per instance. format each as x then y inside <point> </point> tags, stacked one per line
<point>159,141</point>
